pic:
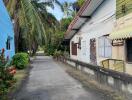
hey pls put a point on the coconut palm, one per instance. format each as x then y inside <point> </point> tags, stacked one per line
<point>67,9</point>
<point>28,24</point>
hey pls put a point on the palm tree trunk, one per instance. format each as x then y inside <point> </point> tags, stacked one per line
<point>16,25</point>
<point>17,31</point>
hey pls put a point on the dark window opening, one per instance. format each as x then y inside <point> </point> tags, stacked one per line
<point>129,50</point>
<point>123,9</point>
<point>8,44</point>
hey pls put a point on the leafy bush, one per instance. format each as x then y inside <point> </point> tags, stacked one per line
<point>57,54</point>
<point>6,75</point>
<point>20,60</point>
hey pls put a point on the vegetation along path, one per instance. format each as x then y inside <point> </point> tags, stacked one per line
<point>49,81</point>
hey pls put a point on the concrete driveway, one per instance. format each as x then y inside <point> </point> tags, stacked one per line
<point>49,81</point>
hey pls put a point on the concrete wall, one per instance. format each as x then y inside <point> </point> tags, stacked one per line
<point>101,23</point>
<point>116,80</point>
<point>6,29</point>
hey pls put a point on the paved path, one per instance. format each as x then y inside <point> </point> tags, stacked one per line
<point>49,81</point>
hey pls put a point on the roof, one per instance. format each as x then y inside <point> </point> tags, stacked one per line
<point>123,33</point>
<point>83,15</point>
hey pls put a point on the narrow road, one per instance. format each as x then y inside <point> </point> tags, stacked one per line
<point>49,81</point>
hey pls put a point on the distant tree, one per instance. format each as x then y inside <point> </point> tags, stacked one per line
<point>65,23</point>
<point>67,9</point>
<point>30,30</point>
<point>78,4</point>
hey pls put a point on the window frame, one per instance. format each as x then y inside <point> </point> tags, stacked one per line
<point>104,47</point>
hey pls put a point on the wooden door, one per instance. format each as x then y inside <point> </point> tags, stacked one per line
<point>74,49</point>
<point>93,58</point>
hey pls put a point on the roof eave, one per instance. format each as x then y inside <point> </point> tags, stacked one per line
<point>82,17</point>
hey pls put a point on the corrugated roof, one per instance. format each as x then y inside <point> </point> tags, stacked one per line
<point>123,33</point>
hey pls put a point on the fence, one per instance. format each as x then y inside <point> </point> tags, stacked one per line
<point>117,80</point>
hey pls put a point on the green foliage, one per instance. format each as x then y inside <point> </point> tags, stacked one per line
<point>6,76</point>
<point>32,22</point>
<point>67,9</point>
<point>20,60</point>
<point>49,49</point>
<point>65,23</point>
<point>56,37</point>
<point>57,54</point>
<point>80,2</point>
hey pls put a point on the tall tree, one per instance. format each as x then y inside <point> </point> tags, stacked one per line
<point>28,24</point>
<point>67,9</point>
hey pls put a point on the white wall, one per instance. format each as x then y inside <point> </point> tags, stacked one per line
<point>101,23</point>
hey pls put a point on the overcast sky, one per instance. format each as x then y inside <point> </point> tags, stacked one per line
<point>57,11</point>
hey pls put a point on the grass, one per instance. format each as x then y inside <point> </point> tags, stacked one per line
<point>20,76</point>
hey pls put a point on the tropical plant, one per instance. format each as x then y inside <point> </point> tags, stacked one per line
<point>78,4</point>
<point>57,54</point>
<point>20,60</point>
<point>30,30</point>
<point>6,75</point>
<point>67,9</point>
<point>57,37</point>
<point>64,23</point>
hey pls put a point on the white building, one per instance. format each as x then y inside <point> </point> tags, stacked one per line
<point>89,31</point>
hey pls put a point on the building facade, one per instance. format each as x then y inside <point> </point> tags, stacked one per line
<point>6,32</point>
<point>94,32</point>
<point>100,34</point>
<point>122,35</point>
<point>90,43</point>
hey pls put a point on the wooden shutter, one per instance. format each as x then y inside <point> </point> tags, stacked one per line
<point>74,48</point>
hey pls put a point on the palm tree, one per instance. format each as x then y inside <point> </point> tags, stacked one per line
<point>67,9</point>
<point>28,24</point>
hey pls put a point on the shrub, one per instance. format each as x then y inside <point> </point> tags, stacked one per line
<point>20,60</point>
<point>57,54</point>
<point>6,75</point>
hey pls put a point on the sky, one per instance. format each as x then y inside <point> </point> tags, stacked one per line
<point>57,11</point>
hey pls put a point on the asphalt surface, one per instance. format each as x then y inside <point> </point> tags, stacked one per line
<point>49,81</point>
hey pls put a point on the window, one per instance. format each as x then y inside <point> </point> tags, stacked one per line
<point>8,44</point>
<point>84,48</point>
<point>105,47</point>
<point>123,8</point>
<point>129,50</point>
<point>74,48</point>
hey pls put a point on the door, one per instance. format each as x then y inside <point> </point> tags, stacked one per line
<point>74,49</point>
<point>129,50</point>
<point>93,58</point>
